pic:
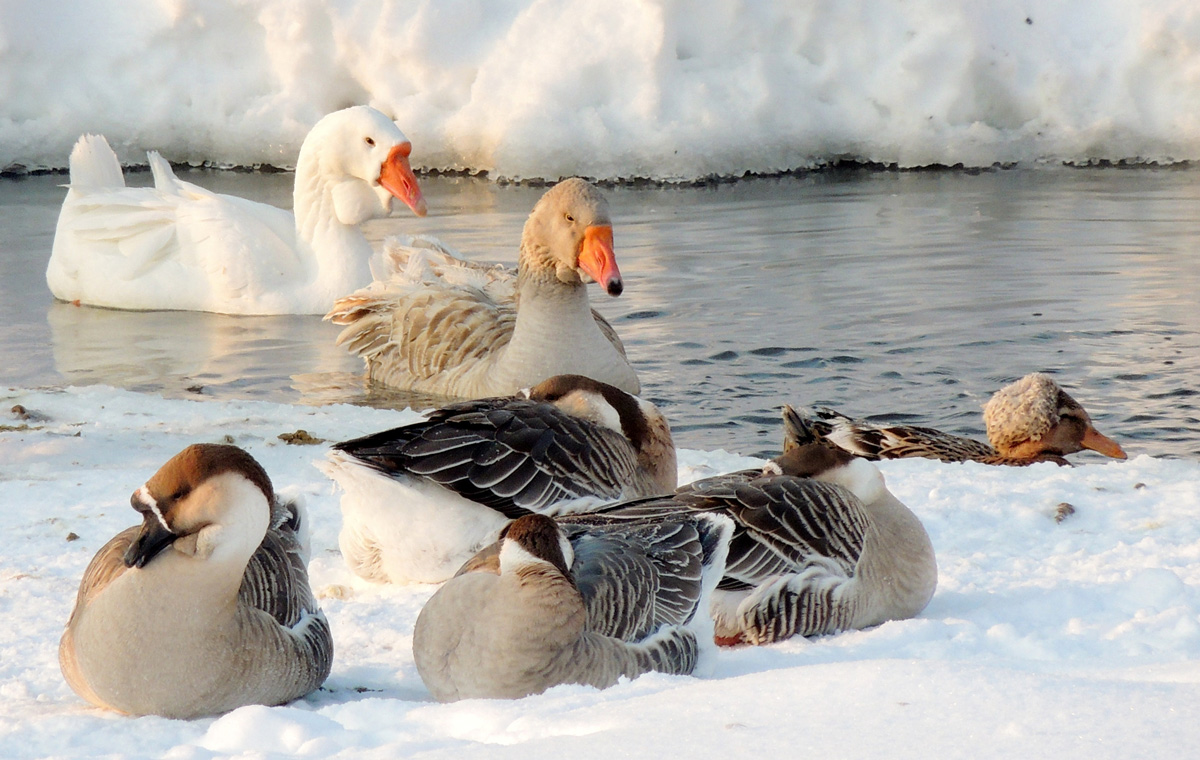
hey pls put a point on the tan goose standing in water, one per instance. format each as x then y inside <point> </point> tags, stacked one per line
<point>419,500</point>
<point>450,330</point>
<point>204,607</point>
<point>582,604</point>
<point>819,544</point>
<point>1030,420</point>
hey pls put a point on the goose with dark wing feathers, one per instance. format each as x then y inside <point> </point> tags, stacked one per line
<point>578,603</point>
<point>419,500</point>
<point>819,546</point>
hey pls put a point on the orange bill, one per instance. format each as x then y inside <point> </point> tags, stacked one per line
<point>597,259</point>
<point>1094,440</point>
<point>397,178</point>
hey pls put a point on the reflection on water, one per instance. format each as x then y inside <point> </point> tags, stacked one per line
<point>899,296</point>
<point>177,351</point>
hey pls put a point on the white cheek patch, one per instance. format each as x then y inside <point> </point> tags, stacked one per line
<point>860,477</point>
<point>604,413</point>
<point>513,557</point>
<point>143,495</point>
<point>591,406</point>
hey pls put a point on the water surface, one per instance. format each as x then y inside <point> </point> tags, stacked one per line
<point>895,296</point>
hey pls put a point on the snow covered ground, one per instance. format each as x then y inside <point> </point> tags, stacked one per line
<point>625,88</point>
<point>1044,639</point>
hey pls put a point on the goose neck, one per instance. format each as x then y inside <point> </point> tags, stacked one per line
<point>338,255</point>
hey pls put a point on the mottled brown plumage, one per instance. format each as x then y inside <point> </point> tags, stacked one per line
<point>440,325</point>
<point>1031,420</point>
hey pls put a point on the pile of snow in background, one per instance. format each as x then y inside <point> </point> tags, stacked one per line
<point>625,88</point>
<point>1044,639</point>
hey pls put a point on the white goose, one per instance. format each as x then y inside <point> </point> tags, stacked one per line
<point>179,246</point>
<point>819,545</point>
<point>572,604</point>
<point>204,607</point>
<point>419,500</point>
<point>452,328</point>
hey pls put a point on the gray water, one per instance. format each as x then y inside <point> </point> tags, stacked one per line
<point>897,296</point>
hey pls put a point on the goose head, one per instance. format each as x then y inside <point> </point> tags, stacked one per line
<point>534,544</point>
<point>208,501</point>
<point>638,420</point>
<point>362,158</point>
<point>569,234</point>
<point>830,465</point>
<point>1034,418</point>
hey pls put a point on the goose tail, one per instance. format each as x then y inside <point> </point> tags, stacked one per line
<point>94,165</point>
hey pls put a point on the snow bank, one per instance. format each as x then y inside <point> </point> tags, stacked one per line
<point>627,88</point>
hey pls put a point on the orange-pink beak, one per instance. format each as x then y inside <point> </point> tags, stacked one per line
<point>397,178</point>
<point>1096,441</point>
<point>597,259</point>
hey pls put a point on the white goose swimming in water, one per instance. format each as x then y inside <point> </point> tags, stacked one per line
<point>204,607</point>
<point>583,604</point>
<point>443,326</point>
<point>1030,420</point>
<point>419,500</point>
<point>179,246</point>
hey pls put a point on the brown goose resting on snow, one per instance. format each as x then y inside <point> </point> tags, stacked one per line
<point>204,607</point>
<point>572,603</point>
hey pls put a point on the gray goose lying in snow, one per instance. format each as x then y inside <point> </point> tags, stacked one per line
<point>819,545</point>
<point>1030,420</point>
<point>419,500</point>
<point>583,604</point>
<point>204,607</point>
<point>460,330</point>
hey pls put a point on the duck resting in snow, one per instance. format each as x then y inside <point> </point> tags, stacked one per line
<point>1030,420</point>
<point>178,246</point>
<point>440,325</point>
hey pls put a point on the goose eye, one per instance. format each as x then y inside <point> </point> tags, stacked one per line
<point>370,140</point>
<point>569,218</point>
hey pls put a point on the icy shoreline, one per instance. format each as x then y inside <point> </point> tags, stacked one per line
<point>1043,639</point>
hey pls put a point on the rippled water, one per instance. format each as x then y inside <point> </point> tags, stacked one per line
<point>897,296</point>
